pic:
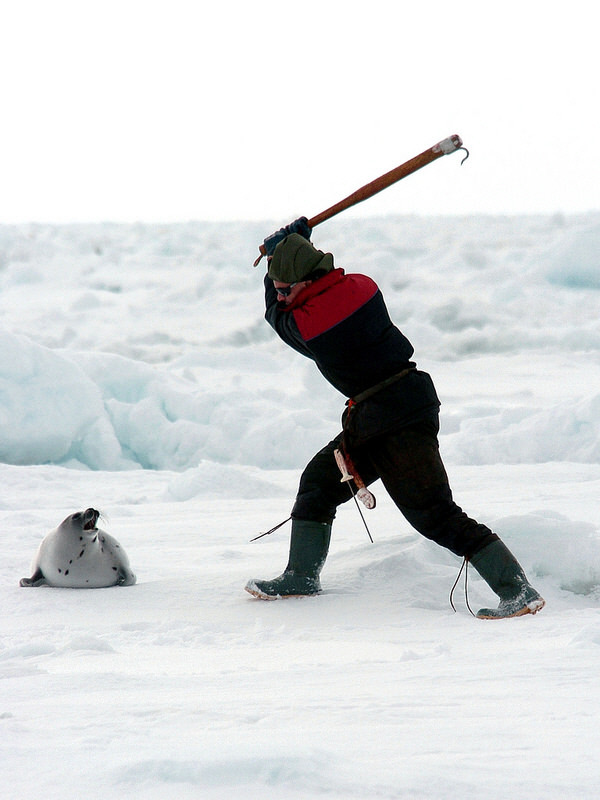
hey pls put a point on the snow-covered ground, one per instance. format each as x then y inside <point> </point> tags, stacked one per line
<point>137,375</point>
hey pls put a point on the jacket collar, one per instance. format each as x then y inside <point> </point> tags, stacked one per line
<point>317,287</point>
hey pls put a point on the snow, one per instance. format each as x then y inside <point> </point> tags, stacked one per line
<point>138,376</point>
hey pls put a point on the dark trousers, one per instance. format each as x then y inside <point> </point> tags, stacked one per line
<point>409,465</point>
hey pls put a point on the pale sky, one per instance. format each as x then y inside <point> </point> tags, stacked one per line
<point>170,111</point>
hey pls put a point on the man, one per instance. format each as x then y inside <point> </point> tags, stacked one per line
<point>390,425</point>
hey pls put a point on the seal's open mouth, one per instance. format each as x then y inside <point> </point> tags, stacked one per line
<point>91,519</point>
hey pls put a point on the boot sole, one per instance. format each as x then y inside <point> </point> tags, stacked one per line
<point>532,608</point>
<point>256,592</point>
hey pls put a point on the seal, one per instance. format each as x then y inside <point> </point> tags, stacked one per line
<point>78,555</point>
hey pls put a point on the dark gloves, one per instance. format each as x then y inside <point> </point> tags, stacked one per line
<point>298,226</point>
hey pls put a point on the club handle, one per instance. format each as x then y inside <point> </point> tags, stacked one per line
<point>443,148</point>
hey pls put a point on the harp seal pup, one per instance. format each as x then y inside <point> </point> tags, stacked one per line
<point>78,555</point>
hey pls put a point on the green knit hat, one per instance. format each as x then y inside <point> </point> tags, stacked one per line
<point>295,258</point>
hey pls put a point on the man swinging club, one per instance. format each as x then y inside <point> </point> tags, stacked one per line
<point>390,424</point>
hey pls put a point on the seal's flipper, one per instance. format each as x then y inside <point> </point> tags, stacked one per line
<point>37,579</point>
<point>126,577</point>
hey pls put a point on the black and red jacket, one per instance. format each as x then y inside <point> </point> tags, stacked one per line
<point>341,322</point>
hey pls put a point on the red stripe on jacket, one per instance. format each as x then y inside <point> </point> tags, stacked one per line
<point>345,295</point>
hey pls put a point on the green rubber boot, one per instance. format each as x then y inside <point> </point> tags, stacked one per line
<point>309,545</point>
<point>503,573</point>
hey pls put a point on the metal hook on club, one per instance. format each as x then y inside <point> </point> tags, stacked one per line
<point>465,158</point>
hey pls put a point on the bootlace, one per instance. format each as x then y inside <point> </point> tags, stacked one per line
<point>464,566</point>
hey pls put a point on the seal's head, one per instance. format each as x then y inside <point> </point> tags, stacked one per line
<point>86,520</point>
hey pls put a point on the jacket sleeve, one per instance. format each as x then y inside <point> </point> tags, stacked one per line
<point>282,321</point>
